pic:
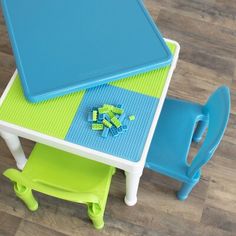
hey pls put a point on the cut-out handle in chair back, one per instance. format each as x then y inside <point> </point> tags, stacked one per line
<point>218,109</point>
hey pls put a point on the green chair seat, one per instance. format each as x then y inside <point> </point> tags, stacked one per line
<point>66,176</point>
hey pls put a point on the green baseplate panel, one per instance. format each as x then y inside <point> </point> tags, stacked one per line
<point>150,83</point>
<point>54,117</point>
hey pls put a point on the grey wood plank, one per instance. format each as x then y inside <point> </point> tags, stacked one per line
<point>4,42</point>
<point>153,8</point>
<point>8,224</point>
<point>222,191</point>
<point>195,82</point>
<point>219,218</point>
<point>218,12</point>
<point>233,94</point>
<point>201,43</point>
<point>28,228</point>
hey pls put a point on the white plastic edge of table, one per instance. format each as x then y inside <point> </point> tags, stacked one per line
<point>133,170</point>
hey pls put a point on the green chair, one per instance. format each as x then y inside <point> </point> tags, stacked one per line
<point>65,176</point>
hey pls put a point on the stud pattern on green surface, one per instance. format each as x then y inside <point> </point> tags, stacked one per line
<point>52,117</point>
<point>149,83</point>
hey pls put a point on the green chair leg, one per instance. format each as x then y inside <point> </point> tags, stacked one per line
<point>96,215</point>
<point>25,194</point>
<point>98,222</point>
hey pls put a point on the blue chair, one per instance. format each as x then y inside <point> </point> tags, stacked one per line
<point>180,123</point>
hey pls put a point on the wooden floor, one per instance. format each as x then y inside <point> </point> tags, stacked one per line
<point>206,31</point>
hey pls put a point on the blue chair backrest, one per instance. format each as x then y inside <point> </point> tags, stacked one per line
<point>217,109</point>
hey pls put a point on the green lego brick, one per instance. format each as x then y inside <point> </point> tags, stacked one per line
<point>107,123</point>
<point>132,117</point>
<point>97,126</point>
<point>95,115</point>
<point>117,110</point>
<point>116,122</point>
<point>108,106</point>
<point>103,110</point>
<point>110,114</point>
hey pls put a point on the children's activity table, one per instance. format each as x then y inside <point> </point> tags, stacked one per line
<point>62,122</point>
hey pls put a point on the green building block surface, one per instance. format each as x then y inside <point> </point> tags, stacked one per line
<point>52,117</point>
<point>149,83</point>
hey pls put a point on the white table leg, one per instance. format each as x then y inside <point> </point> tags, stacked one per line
<point>14,145</point>
<point>132,183</point>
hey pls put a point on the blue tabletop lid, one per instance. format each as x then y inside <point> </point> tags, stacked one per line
<point>63,46</point>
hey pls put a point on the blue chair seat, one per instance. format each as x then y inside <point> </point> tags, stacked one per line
<point>169,150</point>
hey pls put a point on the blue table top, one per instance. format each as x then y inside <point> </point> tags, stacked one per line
<point>64,46</point>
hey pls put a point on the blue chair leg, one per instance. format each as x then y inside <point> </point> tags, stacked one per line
<point>185,190</point>
<point>199,131</point>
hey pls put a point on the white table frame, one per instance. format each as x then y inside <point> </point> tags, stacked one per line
<point>133,170</point>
